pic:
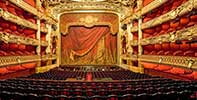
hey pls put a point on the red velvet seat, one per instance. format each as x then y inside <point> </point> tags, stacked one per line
<point>3,53</point>
<point>20,53</point>
<point>32,36</point>
<point>191,23</point>
<point>158,29</point>
<point>184,20</point>
<point>11,8</point>
<point>149,30</point>
<point>175,4</point>
<point>28,31</point>
<point>178,53</point>
<point>153,52</point>
<point>185,47</point>
<point>4,46</point>
<point>174,25</point>
<point>29,65</point>
<point>192,76</point>
<point>189,53</point>
<point>22,47</point>
<point>174,46</point>
<point>4,24</point>
<point>167,8</point>
<point>7,31</point>
<point>159,11</point>
<point>193,18</point>
<point>13,46</point>
<point>165,26</point>
<point>15,68</point>
<point>3,5</point>
<point>29,17</point>
<point>168,53</point>
<point>193,46</point>
<point>163,67</point>
<point>146,19</point>
<point>165,46</point>
<point>19,12</point>
<point>157,47</point>
<point>175,70</point>
<point>146,35</point>
<point>148,48</point>
<point>160,52</point>
<point>3,70</point>
<point>149,65</point>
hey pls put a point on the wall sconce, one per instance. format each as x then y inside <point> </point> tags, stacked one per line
<point>18,60</point>
<point>160,60</point>
<point>172,37</point>
<point>190,63</point>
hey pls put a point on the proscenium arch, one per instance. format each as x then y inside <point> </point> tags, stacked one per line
<point>88,19</point>
<point>89,11</point>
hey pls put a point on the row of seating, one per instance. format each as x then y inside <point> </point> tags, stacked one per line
<point>148,89</point>
<point>157,96</point>
<point>119,74</point>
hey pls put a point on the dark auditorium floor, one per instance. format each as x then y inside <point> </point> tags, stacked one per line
<point>95,83</point>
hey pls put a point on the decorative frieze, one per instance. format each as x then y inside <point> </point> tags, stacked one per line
<point>184,34</point>
<point>179,61</point>
<point>10,38</point>
<point>13,60</point>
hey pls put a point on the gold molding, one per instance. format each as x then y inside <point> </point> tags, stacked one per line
<point>89,7</point>
<point>177,61</point>
<point>183,34</point>
<point>10,38</point>
<point>12,60</point>
<point>43,69</point>
<point>129,57</point>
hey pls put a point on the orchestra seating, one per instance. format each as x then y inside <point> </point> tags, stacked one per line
<point>49,87</point>
<point>97,73</point>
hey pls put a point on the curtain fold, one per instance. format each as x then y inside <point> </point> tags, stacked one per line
<point>93,45</point>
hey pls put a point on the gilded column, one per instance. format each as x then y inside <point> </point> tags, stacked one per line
<point>140,50</point>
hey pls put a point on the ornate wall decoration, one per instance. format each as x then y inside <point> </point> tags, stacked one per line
<point>122,8</point>
<point>89,20</point>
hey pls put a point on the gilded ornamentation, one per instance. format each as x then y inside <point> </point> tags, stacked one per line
<point>10,38</point>
<point>89,20</point>
<point>185,62</point>
<point>8,60</point>
<point>186,33</point>
<point>181,10</point>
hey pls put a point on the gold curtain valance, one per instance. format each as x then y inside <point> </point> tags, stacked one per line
<point>89,20</point>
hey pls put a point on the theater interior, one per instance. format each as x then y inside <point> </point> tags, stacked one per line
<point>98,49</point>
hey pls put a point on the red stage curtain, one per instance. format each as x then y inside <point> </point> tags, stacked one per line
<point>95,45</point>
